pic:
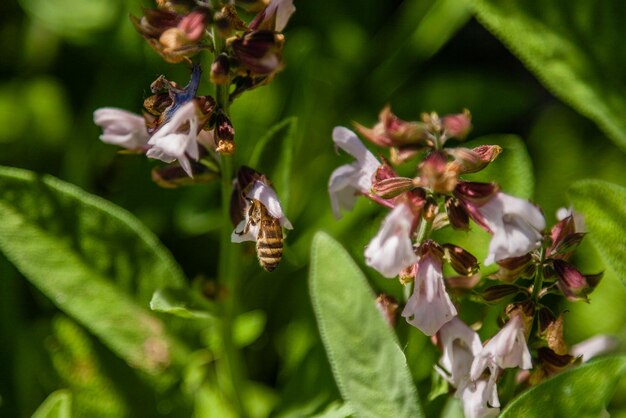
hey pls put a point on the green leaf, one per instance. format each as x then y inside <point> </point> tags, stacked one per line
<point>574,48</point>
<point>581,392</point>
<point>512,170</point>
<point>182,303</point>
<point>57,405</point>
<point>71,245</point>
<point>247,327</point>
<point>369,366</point>
<point>602,205</point>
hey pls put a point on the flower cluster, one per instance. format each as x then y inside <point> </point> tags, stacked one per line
<point>531,261</point>
<point>193,134</point>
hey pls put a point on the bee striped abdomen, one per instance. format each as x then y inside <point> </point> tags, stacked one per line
<point>269,244</point>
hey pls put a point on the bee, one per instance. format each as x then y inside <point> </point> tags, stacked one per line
<point>269,239</point>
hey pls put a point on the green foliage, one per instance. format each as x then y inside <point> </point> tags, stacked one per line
<point>581,392</point>
<point>70,245</point>
<point>57,405</point>
<point>573,50</point>
<point>602,205</point>
<point>369,366</point>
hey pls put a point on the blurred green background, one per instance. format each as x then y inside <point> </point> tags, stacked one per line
<point>62,59</point>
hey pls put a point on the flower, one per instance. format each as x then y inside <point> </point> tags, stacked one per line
<point>267,196</point>
<point>391,250</point>
<point>349,179</point>
<point>459,344</point>
<point>505,350</point>
<point>177,139</point>
<point>516,225</point>
<point>479,399</point>
<point>429,307</point>
<point>121,127</point>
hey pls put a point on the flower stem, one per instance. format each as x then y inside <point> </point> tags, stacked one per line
<point>231,363</point>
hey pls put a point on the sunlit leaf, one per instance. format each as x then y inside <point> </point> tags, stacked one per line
<point>57,405</point>
<point>369,366</point>
<point>88,257</point>
<point>248,326</point>
<point>582,392</point>
<point>182,303</point>
<point>602,205</point>
<point>573,48</point>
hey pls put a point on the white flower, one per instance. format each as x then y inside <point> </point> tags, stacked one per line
<point>505,350</point>
<point>391,250</point>
<point>267,196</point>
<point>594,346</point>
<point>177,139</point>
<point>121,127</point>
<point>479,399</point>
<point>348,179</point>
<point>429,307</point>
<point>516,225</point>
<point>460,344</point>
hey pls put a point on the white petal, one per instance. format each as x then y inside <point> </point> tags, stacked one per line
<point>342,189</point>
<point>266,195</point>
<point>347,140</point>
<point>121,128</point>
<point>250,235</point>
<point>429,307</point>
<point>391,250</point>
<point>459,344</point>
<point>594,346</point>
<point>516,225</point>
<point>479,399</point>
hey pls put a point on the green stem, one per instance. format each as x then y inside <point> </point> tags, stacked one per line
<point>231,362</point>
<point>539,275</point>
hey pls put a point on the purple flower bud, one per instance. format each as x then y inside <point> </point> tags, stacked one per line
<point>460,259</point>
<point>456,214</point>
<point>473,160</point>
<point>458,125</point>
<point>573,284</point>
<point>392,187</point>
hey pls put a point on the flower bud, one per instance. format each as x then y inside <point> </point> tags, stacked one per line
<point>495,294</point>
<point>553,335</point>
<point>391,131</point>
<point>157,103</point>
<point>564,238</point>
<point>456,214</point>
<point>460,259</point>
<point>458,125</point>
<point>220,69</point>
<point>473,160</point>
<point>437,174</point>
<point>227,20</point>
<point>392,187</point>
<point>475,193</point>
<point>573,284</point>
<point>224,134</point>
<point>193,25</point>
<point>513,268</point>
<point>259,52</point>
<point>430,209</point>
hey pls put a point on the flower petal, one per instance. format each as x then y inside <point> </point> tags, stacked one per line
<point>391,250</point>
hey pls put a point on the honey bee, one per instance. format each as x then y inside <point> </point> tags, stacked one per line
<point>269,240</point>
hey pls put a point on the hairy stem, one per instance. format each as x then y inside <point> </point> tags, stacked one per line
<point>231,364</point>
